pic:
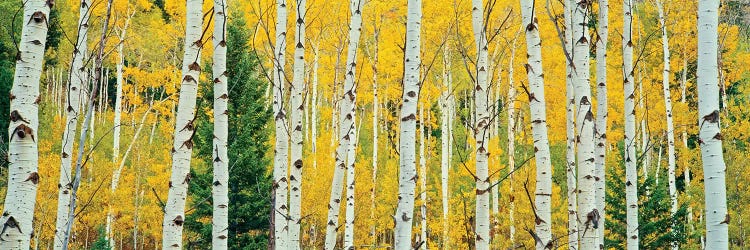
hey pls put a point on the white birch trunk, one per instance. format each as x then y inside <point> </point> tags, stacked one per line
<point>407,178</point>
<point>174,210</point>
<point>445,137</point>
<point>601,114</point>
<point>511,143</point>
<point>314,105</point>
<point>537,106</point>
<point>422,180</point>
<point>375,129</point>
<point>631,174</point>
<point>78,78</point>
<point>683,86</point>
<point>666,75</point>
<point>297,110</point>
<point>350,192</point>
<point>220,184</point>
<point>23,158</point>
<point>280,161</point>
<point>714,168</point>
<point>570,156</point>
<point>588,215</point>
<point>347,133</point>
<point>481,127</point>
<point>116,126</point>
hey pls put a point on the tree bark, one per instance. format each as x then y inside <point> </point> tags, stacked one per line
<point>537,106</point>
<point>631,174</point>
<point>445,140</point>
<point>714,168</point>
<point>422,179</point>
<point>601,115</point>
<point>511,143</point>
<point>481,127</point>
<point>350,191</point>
<point>407,178</point>
<point>347,131</point>
<point>78,78</point>
<point>297,111</point>
<point>174,210</point>
<point>570,156</point>
<point>281,151</point>
<point>23,158</point>
<point>375,128</point>
<point>220,189</point>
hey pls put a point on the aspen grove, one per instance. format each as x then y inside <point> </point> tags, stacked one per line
<point>375,124</point>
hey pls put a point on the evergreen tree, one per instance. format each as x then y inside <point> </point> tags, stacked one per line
<point>249,182</point>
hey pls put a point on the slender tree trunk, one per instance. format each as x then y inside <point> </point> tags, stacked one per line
<point>281,161</point>
<point>116,125</point>
<point>297,110</point>
<point>347,131</point>
<point>445,142</point>
<point>666,75</point>
<point>350,192</point>
<point>537,105</point>
<point>422,178</point>
<point>407,178</point>
<point>220,189</point>
<point>631,174</point>
<point>174,210</point>
<point>683,86</point>
<point>714,168</point>
<point>588,215</point>
<point>601,115</point>
<point>23,158</point>
<point>570,156</point>
<point>314,105</point>
<point>511,143</point>
<point>375,130</point>
<point>78,78</point>
<point>481,128</point>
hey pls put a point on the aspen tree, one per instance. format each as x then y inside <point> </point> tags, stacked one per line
<point>511,143</point>
<point>78,78</point>
<point>481,127</point>
<point>375,124</point>
<point>350,177</point>
<point>631,174</point>
<point>588,215</point>
<point>220,184</point>
<point>346,131</point>
<point>537,105</point>
<point>407,176</point>
<point>601,114</point>
<point>314,105</point>
<point>297,110</point>
<point>666,74</point>
<point>281,154</point>
<point>445,138</point>
<point>422,179</point>
<point>117,126</point>
<point>714,168</point>
<point>23,148</point>
<point>182,148</point>
<point>570,152</point>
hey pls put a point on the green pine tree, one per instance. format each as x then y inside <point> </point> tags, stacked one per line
<point>249,182</point>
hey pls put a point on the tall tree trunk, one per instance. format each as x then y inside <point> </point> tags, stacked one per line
<point>511,143</point>
<point>422,179</point>
<point>281,151</point>
<point>23,158</point>
<point>631,174</point>
<point>538,110</point>
<point>683,86</point>
<point>407,178</point>
<point>314,105</point>
<point>350,191</point>
<point>666,75</point>
<point>375,128</point>
<point>570,156</point>
<point>347,131</point>
<point>116,125</point>
<point>588,215</point>
<point>78,78</point>
<point>297,110</point>
<point>174,209</point>
<point>481,127</point>
<point>220,184</point>
<point>89,119</point>
<point>714,168</point>
<point>601,114</point>
<point>445,139</point>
